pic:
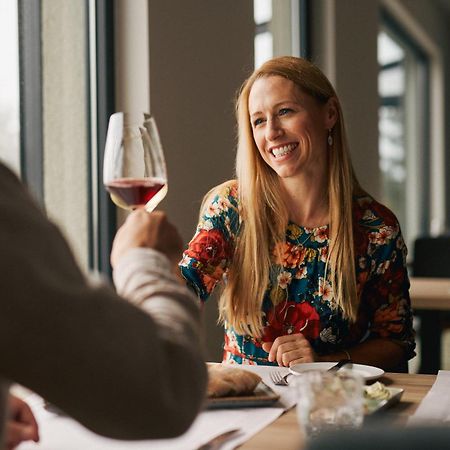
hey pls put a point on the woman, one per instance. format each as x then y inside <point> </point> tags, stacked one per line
<point>314,268</point>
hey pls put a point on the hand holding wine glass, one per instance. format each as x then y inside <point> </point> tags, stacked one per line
<point>141,229</point>
<point>134,168</point>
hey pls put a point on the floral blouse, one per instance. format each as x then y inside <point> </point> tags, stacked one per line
<point>299,297</point>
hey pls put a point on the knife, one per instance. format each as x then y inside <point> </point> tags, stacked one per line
<point>340,364</point>
<point>216,442</point>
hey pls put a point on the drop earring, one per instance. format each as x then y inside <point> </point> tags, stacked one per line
<point>330,137</point>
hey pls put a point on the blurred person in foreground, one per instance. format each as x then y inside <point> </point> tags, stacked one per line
<point>313,268</point>
<point>385,436</point>
<point>102,360</point>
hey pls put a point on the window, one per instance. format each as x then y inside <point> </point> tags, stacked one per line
<point>278,25</point>
<point>263,35</point>
<point>60,111</point>
<point>9,82</point>
<point>403,129</point>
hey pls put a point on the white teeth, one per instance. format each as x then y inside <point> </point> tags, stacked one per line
<point>281,151</point>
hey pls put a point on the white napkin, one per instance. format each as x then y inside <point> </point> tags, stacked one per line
<point>58,432</point>
<point>434,409</point>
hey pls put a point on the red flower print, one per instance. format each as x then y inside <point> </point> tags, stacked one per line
<point>382,236</point>
<point>289,318</point>
<point>387,320</point>
<point>209,247</point>
<point>289,255</point>
<point>321,234</point>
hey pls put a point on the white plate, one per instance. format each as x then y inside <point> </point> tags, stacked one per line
<point>372,406</point>
<point>367,372</point>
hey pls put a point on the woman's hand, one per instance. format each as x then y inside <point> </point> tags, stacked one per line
<point>21,424</point>
<point>289,350</point>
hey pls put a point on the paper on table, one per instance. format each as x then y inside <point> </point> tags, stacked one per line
<point>64,433</point>
<point>58,432</point>
<point>435,407</point>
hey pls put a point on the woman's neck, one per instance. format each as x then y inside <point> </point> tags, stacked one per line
<point>306,200</point>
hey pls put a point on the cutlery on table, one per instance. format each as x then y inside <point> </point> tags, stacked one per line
<point>340,364</point>
<point>282,380</point>
<point>279,379</point>
<point>216,442</point>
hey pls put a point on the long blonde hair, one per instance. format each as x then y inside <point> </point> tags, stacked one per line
<point>265,218</point>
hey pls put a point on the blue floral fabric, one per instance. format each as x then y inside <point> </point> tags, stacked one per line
<point>299,297</point>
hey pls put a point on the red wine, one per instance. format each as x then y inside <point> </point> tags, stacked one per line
<point>133,193</point>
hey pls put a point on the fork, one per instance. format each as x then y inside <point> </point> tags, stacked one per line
<point>279,379</point>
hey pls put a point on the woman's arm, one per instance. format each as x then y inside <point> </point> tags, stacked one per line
<point>383,353</point>
<point>208,255</point>
<point>295,349</point>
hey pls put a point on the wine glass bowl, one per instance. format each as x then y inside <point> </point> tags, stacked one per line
<point>134,168</point>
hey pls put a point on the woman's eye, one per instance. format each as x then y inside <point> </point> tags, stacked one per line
<point>284,111</point>
<point>257,122</point>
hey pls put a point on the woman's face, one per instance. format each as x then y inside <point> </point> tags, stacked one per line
<point>289,126</point>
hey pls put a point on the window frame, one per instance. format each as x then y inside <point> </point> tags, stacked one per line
<point>31,117</point>
<point>102,217</point>
<point>420,214</point>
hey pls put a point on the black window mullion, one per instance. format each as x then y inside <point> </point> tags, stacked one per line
<point>305,29</point>
<point>105,106</point>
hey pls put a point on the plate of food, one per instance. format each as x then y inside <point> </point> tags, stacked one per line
<point>367,372</point>
<point>233,387</point>
<point>378,397</point>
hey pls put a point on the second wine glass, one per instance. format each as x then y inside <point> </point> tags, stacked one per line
<point>134,168</point>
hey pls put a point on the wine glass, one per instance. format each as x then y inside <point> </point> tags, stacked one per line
<point>134,169</point>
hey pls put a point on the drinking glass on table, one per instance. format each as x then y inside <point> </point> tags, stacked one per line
<point>134,168</point>
<point>329,401</point>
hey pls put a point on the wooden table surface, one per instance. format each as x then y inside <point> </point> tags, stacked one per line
<point>430,293</point>
<point>285,434</point>
<point>430,300</point>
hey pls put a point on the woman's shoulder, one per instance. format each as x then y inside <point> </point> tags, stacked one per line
<point>226,190</point>
<point>370,213</point>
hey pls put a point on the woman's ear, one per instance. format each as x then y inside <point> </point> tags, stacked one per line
<point>331,113</point>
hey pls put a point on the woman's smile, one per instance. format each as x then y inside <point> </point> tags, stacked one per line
<point>282,150</point>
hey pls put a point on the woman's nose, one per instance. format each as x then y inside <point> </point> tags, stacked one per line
<point>273,129</point>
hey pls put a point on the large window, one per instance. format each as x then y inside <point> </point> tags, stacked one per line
<point>403,129</point>
<point>278,24</point>
<point>55,49</point>
<point>9,83</point>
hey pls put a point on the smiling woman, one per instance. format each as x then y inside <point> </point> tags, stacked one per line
<point>295,238</point>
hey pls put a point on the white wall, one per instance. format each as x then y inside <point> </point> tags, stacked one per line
<point>200,52</point>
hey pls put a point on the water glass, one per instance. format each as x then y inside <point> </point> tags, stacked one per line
<point>329,401</point>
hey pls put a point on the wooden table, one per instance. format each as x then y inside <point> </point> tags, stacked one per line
<point>430,298</point>
<point>285,434</point>
<point>430,293</point>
